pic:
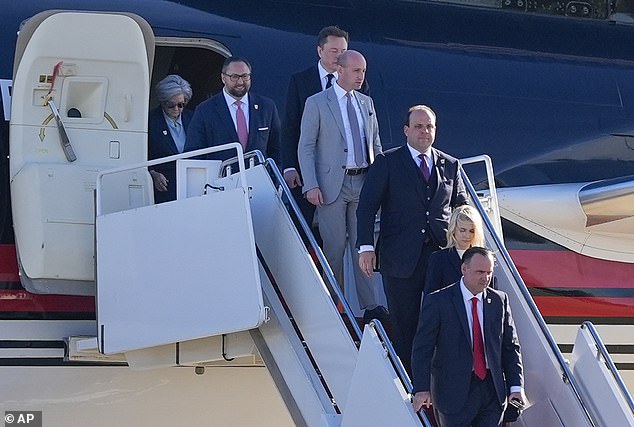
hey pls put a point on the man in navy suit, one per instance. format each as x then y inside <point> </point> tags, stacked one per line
<point>236,115</point>
<point>466,356</point>
<point>331,42</point>
<point>416,195</point>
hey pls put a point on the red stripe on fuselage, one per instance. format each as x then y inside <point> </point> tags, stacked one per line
<point>567,269</point>
<point>21,301</point>
<point>8,264</point>
<point>585,307</point>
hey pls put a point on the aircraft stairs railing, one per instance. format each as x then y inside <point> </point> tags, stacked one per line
<point>327,371</point>
<point>586,391</point>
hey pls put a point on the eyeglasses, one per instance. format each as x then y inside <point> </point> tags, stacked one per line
<point>170,105</point>
<point>235,77</point>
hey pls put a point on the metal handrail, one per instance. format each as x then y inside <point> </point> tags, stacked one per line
<point>251,156</point>
<point>598,342</point>
<point>231,146</point>
<point>501,250</point>
<point>330,281</point>
<point>396,362</point>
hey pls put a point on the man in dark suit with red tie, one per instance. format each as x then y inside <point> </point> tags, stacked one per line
<point>466,356</point>
<point>332,41</point>
<point>236,115</point>
<point>416,187</point>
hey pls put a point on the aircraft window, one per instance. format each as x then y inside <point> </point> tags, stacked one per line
<point>597,9</point>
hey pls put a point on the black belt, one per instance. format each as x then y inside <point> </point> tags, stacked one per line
<point>358,171</point>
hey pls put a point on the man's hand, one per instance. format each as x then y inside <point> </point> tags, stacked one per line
<point>160,182</point>
<point>422,398</point>
<point>367,261</point>
<point>314,196</point>
<point>518,396</point>
<point>292,178</point>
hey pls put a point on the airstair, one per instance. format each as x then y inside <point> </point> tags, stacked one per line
<point>328,372</point>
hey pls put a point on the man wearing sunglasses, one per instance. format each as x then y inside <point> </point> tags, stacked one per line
<point>236,115</point>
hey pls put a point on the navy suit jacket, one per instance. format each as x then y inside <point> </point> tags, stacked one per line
<point>212,125</point>
<point>301,86</point>
<point>443,269</point>
<point>161,144</point>
<point>442,356</point>
<point>395,185</point>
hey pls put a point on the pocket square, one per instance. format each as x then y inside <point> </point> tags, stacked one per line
<point>265,128</point>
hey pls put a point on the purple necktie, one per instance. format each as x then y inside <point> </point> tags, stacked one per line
<point>424,169</point>
<point>243,132</point>
<point>479,362</point>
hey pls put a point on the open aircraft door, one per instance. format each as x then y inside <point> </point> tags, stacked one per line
<point>79,105</point>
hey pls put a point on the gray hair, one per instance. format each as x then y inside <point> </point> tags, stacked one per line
<point>172,85</point>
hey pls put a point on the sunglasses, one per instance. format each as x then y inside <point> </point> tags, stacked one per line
<point>170,105</point>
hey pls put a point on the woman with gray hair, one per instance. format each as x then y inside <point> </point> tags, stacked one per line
<point>167,127</point>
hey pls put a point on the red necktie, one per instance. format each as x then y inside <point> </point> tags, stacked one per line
<point>479,363</point>
<point>423,167</point>
<point>243,133</point>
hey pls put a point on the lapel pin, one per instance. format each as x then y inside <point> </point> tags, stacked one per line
<point>442,161</point>
<point>488,300</point>
<point>256,106</point>
<point>165,132</point>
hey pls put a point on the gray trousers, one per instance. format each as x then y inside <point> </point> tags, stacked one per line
<point>338,228</point>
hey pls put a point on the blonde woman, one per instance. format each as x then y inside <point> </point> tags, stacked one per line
<point>464,231</point>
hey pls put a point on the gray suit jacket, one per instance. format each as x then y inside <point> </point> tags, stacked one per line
<point>322,146</point>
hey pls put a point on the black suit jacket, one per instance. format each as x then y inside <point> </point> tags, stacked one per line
<point>442,356</point>
<point>301,86</point>
<point>161,144</point>
<point>212,125</point>
<point>443,269</point>
<point>394,185</point>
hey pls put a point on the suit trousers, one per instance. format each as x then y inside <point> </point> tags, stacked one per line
<point>338,229</point>
<point>404,297</point>
<point>482,408</point>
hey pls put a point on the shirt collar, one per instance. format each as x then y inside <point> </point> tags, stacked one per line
<point>230,99</point>
<point>415,153</point>
<point>323,72</point>
<point>466,293</point>
<point>171,121</point>
<point>341,92</point>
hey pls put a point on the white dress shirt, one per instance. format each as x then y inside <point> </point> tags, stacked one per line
<point>343,107</point>
<point>233,108</point>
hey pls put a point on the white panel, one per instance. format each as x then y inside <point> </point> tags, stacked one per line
<point>377,397</point>
<point>192,274</point>
<point>192,175</point>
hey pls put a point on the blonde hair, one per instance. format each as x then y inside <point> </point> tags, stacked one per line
<point>469,215</point>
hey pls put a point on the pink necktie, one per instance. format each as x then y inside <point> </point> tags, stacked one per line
<point>479,363</point>
<point>423,167</point>
<point>243,132</point>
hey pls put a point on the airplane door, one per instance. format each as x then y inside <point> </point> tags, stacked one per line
<point>80,100</point>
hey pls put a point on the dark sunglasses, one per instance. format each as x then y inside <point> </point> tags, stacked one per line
<point>170,105</point>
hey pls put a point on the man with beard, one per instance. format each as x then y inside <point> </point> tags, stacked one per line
<point>235,115</point>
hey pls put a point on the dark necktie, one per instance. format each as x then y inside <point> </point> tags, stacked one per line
<point>479,362</point>
<point>424,169</point>
<point>356,133</point>
<point>329,82</point>
<point>241,122</point>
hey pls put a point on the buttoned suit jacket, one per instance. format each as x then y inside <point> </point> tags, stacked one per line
<point>322,149</point>
<point>443,269</point>
<point>212,125</point>
<point>442,356</point>
<point>161,144</point>
<point>300,86</point>
<point>395,185</point>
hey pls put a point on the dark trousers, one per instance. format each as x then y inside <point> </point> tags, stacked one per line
<point>404,300</point>
<point>482,408</point>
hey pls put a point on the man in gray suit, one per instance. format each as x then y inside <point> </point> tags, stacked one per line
<point>338,141</point>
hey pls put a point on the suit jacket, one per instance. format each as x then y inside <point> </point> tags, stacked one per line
<point>322,144</point>
<point>443,269</point>
<point>301,85</point>
<point>161,144</point>
<point>442,357</point>
<point>408,219</point>
<point>212,125</point>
